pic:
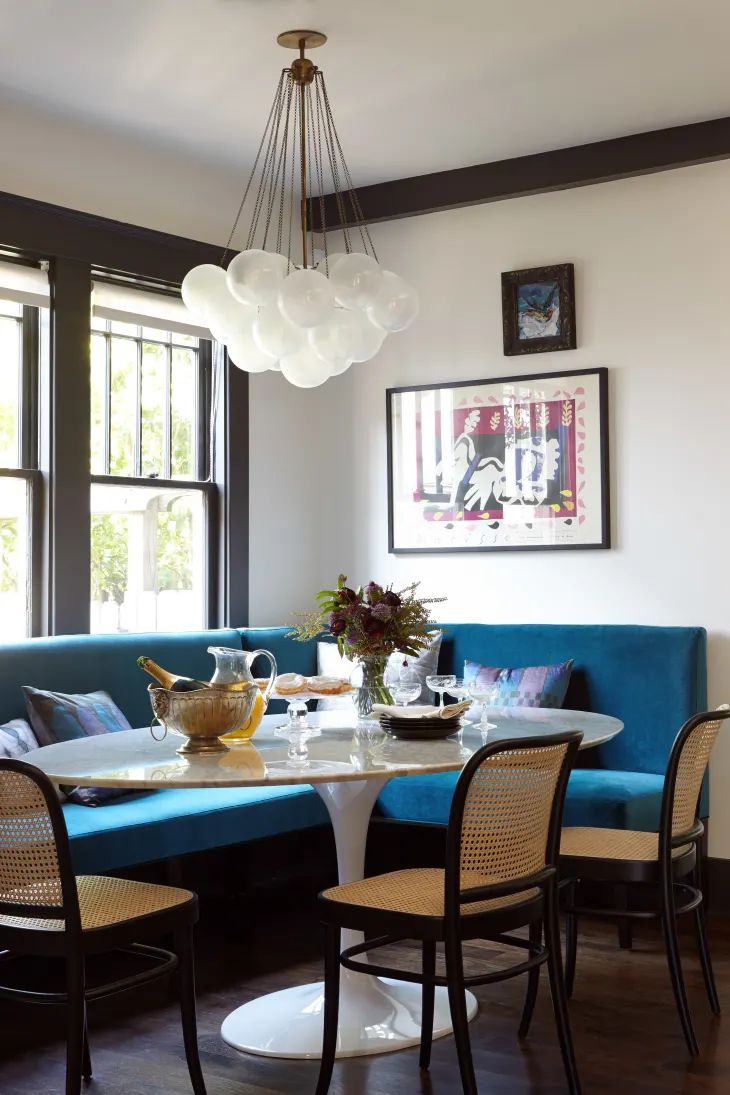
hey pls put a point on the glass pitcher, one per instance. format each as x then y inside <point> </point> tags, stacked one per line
<point>233,670</point>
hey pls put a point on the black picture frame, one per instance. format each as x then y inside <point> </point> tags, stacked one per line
<point>602,540</point>
<point>563,297</point>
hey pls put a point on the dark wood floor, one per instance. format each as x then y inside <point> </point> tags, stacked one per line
<point>625,1028</point>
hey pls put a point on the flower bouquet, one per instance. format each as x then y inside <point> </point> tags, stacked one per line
<point>370,623</point>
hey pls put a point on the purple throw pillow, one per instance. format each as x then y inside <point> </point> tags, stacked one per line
<point>529,686</point>
<point>61,716</point>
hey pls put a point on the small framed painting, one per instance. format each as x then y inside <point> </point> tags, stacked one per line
<point>538,310</point>
<point>512,464</point>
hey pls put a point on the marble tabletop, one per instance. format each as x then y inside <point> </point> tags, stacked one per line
<point>133,759</point>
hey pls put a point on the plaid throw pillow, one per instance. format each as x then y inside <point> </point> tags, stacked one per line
<point>530,686</point>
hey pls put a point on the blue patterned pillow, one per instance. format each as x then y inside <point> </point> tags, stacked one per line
<point>530,686</point>
<point>58,716</point>
<point>16,739</point>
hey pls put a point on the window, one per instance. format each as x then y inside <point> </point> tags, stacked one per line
<point>19,489</point>
<point>151,499</point>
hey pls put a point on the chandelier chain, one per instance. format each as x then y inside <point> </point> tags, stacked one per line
<point>334,170</point>
<point>253,170</point>
<point>352,193</point>
<point>282,197</point>
<point>274,179</point>
<point>258,204</point>
<point>320,182</point>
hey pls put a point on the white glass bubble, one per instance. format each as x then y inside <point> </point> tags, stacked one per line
<point>369,338</point>
<point>227,315</point>
<point>304,369</point>
<point>244,353</point>
<point>255,276</point>
<point>306,298</point>
<point>340,366</point>
<point>339,337</point>
<point>357,280</point>
<point>333,257</point>
<point>275,335</point>
<point>201,287</point>
<point>396,306</point>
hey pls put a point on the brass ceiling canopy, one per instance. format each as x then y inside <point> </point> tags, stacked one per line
<point>300,39</point>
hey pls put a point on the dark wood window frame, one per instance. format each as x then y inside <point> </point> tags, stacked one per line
<point>26,468</point>
<point>201,481</point>
<point>75,245</point>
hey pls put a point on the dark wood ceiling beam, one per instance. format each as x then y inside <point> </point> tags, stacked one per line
<point>561,169</point>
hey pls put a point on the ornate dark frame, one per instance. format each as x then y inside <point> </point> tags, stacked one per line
<point>566,340</point>
<point>605,541</point>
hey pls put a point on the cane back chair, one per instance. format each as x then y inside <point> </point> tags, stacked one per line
<point>666,865</point>
<point>500,874</point>
<point>46,910</point>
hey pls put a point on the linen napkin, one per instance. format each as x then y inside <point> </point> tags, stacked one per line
<point>423,711</point>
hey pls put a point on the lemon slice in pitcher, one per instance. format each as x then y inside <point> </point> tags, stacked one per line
<point>252,723</point>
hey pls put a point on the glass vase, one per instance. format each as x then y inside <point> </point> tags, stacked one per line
<point>373,688</point>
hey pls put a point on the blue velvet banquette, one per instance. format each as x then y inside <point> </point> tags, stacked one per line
<point>653,678</point>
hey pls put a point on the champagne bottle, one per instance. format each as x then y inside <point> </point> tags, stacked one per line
<point>170,680</point>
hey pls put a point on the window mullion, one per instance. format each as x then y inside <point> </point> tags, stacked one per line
<point>167,451</point>
<point>28,380</point>
<point>138,414</point>
<point>107,410</point>
<point>203,395</point>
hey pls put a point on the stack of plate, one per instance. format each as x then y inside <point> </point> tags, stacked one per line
<point>420,729</point>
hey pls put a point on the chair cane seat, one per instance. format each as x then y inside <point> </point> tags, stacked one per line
<point>418,892</point>
<point>104,902</point>
<point>619,844</point>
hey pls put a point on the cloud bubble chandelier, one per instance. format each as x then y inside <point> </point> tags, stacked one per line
<point>311,322</point>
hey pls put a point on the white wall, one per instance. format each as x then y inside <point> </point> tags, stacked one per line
<point>651,284</point>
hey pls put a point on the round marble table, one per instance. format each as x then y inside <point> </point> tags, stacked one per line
<point>348,766</point>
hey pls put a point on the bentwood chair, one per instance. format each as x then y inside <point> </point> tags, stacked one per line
<point>666,866</point>
<point>45,910</point>
<point>500,875</point>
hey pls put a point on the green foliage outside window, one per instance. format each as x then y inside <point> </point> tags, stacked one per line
<point>110,531</point>
<point>8,556</point>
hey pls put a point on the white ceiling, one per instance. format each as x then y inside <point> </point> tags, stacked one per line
<point>417,85</point>
<point>150,111</point>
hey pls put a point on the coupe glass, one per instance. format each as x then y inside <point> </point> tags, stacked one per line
<point>406,693</point>
<point>441,683</point>
<point>407,687</point>
<point>486,695</point>
<point>459,689</point>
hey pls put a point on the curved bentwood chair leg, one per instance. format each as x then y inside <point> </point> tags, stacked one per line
<point>459,1017</point>
<point>533,980</point>
<point>428,1000</point>
<point>86,1069</point>
<point>571,940</point>
<point>671,942</point>
<point>75,1023</point>
<point>703,943</point>
<point>331,1007</point>
<point>557,987</point>
<point>185,978</point>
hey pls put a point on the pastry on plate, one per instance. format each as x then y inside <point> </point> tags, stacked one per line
<point>327,686</point>
<point>289,683</point>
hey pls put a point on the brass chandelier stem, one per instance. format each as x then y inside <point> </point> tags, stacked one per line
<point>303,153</point>
<point>300,115</point>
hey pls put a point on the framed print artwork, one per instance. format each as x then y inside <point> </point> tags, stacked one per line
<point>538,309</point>
<point>499,465</point>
